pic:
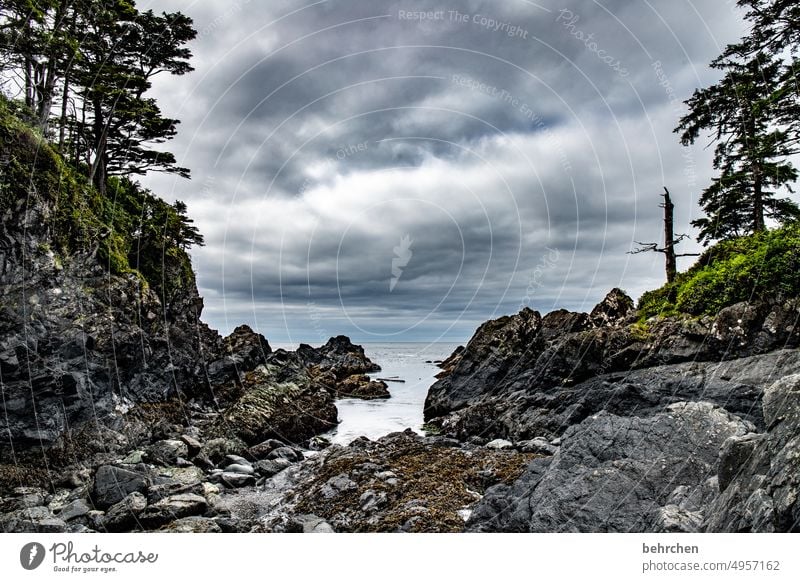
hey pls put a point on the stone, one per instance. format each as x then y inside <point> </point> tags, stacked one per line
<point>613,473</point>
<point>134,458</point>
<point>112,484</point>
<point>270,467</point>
<point>537,446</point>
<point>363,387</point>
<point>172,508</point>
<point>308,524</point>
<point>287,453</point>
<point>236,480</point>
<point>241,469</point>
<point>167,452</point>
<point>261,450</point>
<point>236,460</point>
<point>218,448</point>
<point>500,445</point>
<point>372,500</point>
<point>124,515</point>
<point>32,520</point>
<point>192,524</point>
<point>193,445</point>
<point>73,510</point>
<point>338,485</point>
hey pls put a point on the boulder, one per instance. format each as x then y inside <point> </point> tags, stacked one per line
<point>112,484</point>
<point>361,386</point>
<point>124,515</point>
<point>172,508</point>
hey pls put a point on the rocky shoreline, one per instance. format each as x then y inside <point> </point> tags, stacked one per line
<point>123,411</point>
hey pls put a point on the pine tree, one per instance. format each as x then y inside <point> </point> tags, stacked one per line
<point>743,115</point>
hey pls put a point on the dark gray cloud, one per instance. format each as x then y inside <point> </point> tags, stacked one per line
<point>518,147</point>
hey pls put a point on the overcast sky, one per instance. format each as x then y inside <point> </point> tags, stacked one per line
<point>495,154</point>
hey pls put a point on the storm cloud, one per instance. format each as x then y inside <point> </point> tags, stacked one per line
<point>401,171</point>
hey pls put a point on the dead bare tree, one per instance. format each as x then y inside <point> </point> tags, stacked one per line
<point>670,240</point>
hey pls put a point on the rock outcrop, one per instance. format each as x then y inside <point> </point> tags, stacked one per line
<point>673,424</point>
<point>517,370</point>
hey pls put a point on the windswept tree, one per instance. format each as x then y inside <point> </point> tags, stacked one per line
<point>743,114</point>
<point>98,58</point>
<point>121,52</point>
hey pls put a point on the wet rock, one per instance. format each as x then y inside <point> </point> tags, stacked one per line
<point>236,480</point>
<point>361,386</point>
<point>261,450</point>
<point>270,467</point>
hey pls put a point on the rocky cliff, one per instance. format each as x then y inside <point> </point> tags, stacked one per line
<point>113,389</point>
<point>668,424</point>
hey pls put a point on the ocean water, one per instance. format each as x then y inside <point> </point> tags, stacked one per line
<point>376,418</point>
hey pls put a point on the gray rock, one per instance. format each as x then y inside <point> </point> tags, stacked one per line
<point>261,450</point>
<point>537,446</point>
<point>372,500</point>
<point>613,473</point>
<point>32,520</point>
<point>172,508</point>
<point>242,469</point>
<point>287,453</point>
<point>308,524</point>
<point>338,485</point>
<point>193,445</point>
<point>167,452</point>
<point>236,460</point>
<point>236,480</point>
<point>762,494</point>
<point>73,510</point>
<point>193,524</point>
<point>217,449</point>
<point>112,484</point>
<point>500,444</point>
<point>123,516</point>
<point>270,467</point>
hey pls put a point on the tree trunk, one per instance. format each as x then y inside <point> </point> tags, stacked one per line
<point>98,173</point>
<point>64,105</point>
<point>669,237</point>
<point>758,199</point>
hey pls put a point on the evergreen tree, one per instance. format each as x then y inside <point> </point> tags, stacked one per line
<point>743,114</point>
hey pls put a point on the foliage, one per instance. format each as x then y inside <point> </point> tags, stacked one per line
<point>762,266</point>
<point>97,58</point>
<point>130,229</point>
<point>743,114</point>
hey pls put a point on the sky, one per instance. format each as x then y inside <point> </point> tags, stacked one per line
<point>404,171</point>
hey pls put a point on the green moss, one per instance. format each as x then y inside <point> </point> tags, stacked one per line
<point>129,229</point>
<point>763,266</point>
